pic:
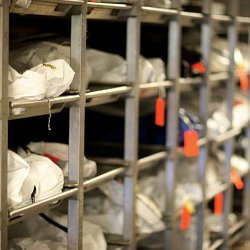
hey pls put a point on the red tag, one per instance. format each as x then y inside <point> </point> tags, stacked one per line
<point>244,82</point>
<point>191,148</point>
<point>218,204</point>
<point>199,67</point>
<point>185,219</point>
<point>236,179</point>
<point>52,157</point>
<point>160,112</point>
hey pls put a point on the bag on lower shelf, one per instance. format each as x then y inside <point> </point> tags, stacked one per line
<point>102,210</point>
<point>37,233</point>
<point>18,171</point>
<point>45,179</point>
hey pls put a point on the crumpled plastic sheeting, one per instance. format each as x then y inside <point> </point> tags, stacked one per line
<point>18,171</point>
<point>45,175</point>
<point>37,234</point>
<point>33,171</point>
<point>48,80</point>
<point>31,55</point>
<point>59,75</point>
<point>102,210</point>
<point>59,152</point>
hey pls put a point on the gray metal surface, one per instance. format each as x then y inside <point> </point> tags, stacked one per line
<point>4,55</point>
<point>131,128</point>
<point>76,129</point>
<point>172,127</point>
<point>232,37</point>
<point>204,101</point>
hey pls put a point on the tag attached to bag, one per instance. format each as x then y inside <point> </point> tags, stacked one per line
<point>218,204</point>
<point>185,219</point>
<point>236,179</point>
<point>243,77</point>
<point>191,148</point>
<point>160,105</point>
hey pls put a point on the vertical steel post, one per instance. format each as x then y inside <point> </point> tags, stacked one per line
<point>204,99</point>
<point>173,73</point>
<point>131,127</point>
<point>4,54</point>
<point>76,128</point>
<point>230,87</point>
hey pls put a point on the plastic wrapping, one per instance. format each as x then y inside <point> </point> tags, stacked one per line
<point>58,152</point>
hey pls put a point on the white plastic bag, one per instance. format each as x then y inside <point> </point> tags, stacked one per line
<point>45,175</point>
<point>28,86</point>
<point>106,67</point>
<point>18,170</point>
<point>60,152</point>
<point>59,75</point>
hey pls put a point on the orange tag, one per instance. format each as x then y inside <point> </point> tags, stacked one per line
<point>218,204</point>
<point>160,112</point>
<point>236,179</point>
<point>191,148</point>
<point>244,81</point>
<point>199,67</point>
<point>185,219</point>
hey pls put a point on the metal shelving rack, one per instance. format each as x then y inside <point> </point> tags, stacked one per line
<point>133,13</point>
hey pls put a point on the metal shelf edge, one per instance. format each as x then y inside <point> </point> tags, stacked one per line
<point>118,6</point>
<point>98,180</point>
<point>149,160</point>
<point>61,99</point>
<point>41,204</point>
<point>107,92</point>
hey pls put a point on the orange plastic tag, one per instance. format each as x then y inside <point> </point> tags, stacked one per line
<point>160,112</point>
<point>185,219</point>
<point>244,81</point>
<point>199,67</point>
<point>191,148</point>
<point>218,204</point>
<point>236,179</point>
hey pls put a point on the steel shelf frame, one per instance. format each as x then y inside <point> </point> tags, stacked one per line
<point>133,14</point>
<point>76,125</point>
